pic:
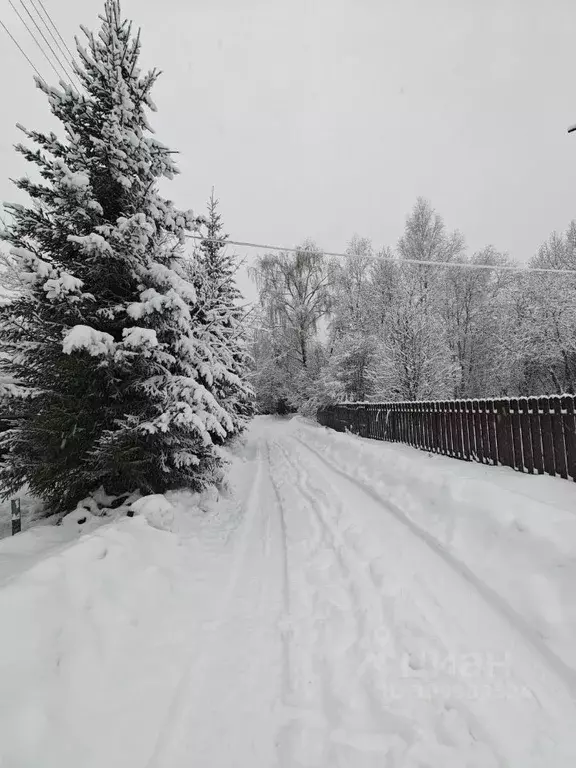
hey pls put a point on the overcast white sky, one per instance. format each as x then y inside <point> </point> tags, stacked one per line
<point>328,117</point>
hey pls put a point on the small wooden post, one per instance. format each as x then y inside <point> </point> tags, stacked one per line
<point>16,516</point>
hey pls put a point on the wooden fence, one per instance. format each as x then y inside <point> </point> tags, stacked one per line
<point>534,434</point>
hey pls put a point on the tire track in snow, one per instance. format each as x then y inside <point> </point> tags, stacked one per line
<point>380,720</point>
<point>565,674</point>
<point>194,670</point>
<point>297,668</point>
<point>362,724</point>
<point>352,569</point>
<point>286,591</point>
<point>324,689</point>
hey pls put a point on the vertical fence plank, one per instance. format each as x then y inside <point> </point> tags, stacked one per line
<point>456,444</point>
<point>462,420</point>
<point>462,426</point>
<point>428,427</point>
<point>446,426</point>
<point>392,423</point>
<point>491,427</point>
<point>472,426</point>
<point>569,435</point>
<point>385,429</point>
<point>416,417</point>
<point>458,420</point>
<point>405,422</point>
<point>419,425</point>
<point>536,434</point>
<point>441,428</point>
<point>502,432</point>
<point>547,437</point>
<point>452,426</point>
<point>435,427</point>
<point>558,437</point>
<point>477,431</point>
<point>385,423</point>
<point>471,430</point>
<point>466,429</point>
<point>421,419</point>
<point>442,417</point>
<point>516,435</point>
<point>456,434</point>
<point>411,424</point>
<point>484,432</point>
<point>526,435</point>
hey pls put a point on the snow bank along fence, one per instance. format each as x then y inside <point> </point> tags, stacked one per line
<point>534,434</point>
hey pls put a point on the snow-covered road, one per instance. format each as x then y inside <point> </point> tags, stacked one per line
<point>309,619</point>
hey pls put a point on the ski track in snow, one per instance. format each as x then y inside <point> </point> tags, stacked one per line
<point>314,625</point>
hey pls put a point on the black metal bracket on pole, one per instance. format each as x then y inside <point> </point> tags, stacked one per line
<point>16,516</point>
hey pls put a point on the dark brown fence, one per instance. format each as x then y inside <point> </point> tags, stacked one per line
<point>533,434</point>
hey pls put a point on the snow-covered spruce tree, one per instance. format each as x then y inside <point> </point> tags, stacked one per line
<point>223,317</point>
<point>104,339</point>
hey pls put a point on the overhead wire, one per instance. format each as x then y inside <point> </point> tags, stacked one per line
<point>22,51</point>
<point>54,54</point>
<point>70,61</point>
<point>454,264</point>
<point>33,36</point>
<point>57,30</point>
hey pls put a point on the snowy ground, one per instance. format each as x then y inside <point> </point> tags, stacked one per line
<point>344,603</point>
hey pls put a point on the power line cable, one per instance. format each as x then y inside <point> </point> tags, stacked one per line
<point>456,264</point>
<point>17,44</point>
<point>69,61</point>
<point>57,30</point>
<point>32,35</point>
<point>55,55</point>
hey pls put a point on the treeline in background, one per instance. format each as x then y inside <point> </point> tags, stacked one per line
<point>375,326</point>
